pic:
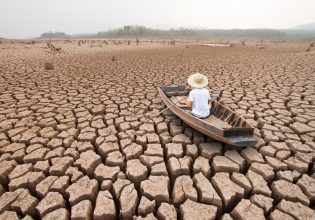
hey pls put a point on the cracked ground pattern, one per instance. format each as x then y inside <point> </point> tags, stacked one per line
<point>76,141</point>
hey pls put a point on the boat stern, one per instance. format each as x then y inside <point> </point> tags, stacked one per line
<point>242,141</point>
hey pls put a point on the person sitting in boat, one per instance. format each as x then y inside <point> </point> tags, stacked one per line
<point>199,99</point>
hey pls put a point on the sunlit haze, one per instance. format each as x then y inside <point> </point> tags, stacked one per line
<point>30,18</point>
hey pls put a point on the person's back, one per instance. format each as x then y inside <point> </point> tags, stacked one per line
<point>200,98</point>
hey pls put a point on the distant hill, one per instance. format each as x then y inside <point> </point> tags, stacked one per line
<point>310,26</point>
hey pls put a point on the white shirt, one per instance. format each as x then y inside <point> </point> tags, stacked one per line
<point>200,98</point>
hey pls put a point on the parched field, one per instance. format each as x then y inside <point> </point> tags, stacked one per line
<point>77,142</point>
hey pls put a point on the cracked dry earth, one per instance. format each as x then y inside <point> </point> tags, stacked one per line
<point>75,141</point>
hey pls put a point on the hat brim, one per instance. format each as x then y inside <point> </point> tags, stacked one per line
<point>192,83</point>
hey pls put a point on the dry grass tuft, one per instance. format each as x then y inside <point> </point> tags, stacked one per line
<point>114,58</point>
<point>53,48</point>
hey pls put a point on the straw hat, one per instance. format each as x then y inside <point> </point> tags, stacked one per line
<point>198,80</point>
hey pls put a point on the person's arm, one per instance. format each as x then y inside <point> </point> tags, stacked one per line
<point>190,99</point>
<point>187,101</point>
<point>209,101</point>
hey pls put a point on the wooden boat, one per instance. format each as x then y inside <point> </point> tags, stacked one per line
<point>223,124</point>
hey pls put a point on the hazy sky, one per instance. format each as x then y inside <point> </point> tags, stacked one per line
<point>30,18</point>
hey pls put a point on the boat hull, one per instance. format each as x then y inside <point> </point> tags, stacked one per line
<point>207,129</point>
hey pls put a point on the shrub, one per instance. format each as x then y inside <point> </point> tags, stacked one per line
<point>49,66</point>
